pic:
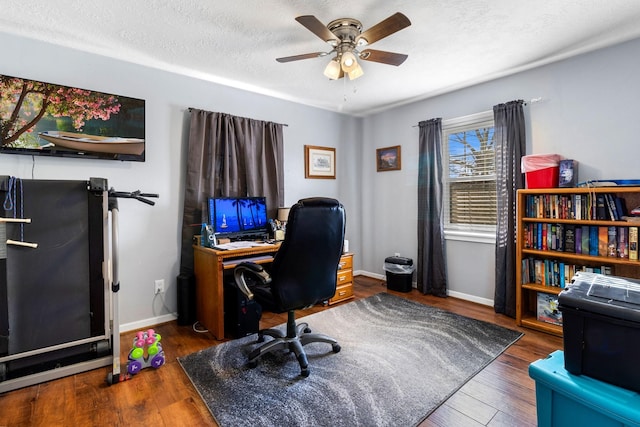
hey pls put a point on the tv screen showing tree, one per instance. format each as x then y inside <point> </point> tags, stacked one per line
<point>38,118</point>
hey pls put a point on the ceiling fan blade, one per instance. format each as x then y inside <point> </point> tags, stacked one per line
<point>383,57</point>
<point>392,24</point>
<point>299,57</point>
<point>312,24</point>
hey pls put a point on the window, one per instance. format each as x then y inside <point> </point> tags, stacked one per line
<point>469,179</point>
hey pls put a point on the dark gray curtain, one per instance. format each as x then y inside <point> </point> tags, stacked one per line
<point>431,266</point>
<point>510,147</point>
<point>229,156</point>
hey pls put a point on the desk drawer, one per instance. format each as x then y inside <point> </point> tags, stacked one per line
<point>343,292</point>
<point>346,262</point>
<point>344,277</point>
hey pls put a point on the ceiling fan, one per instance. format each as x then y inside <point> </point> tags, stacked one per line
<point>347,39</point>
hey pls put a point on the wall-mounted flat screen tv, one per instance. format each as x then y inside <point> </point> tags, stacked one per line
<point>46,119</point>
<point>235,216</point>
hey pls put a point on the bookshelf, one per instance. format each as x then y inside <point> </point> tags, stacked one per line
<point>549,218</point>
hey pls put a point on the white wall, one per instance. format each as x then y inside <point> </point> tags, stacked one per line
<point>150,236</point>
<point>588,111</point>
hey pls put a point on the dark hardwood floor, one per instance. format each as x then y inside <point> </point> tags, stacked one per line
<point>501,395</point>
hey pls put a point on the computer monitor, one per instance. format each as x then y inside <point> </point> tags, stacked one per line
<point>237,216</point>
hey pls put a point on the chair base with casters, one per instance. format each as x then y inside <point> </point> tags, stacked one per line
<point>296,337</point>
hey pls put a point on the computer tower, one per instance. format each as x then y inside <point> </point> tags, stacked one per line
<point>241,315</point>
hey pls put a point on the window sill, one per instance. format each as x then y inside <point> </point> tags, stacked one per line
<point>470,236</point>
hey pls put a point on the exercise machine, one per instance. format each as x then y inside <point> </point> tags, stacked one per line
<point>58,309</point>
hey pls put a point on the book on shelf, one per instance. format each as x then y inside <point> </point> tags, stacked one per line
<point>578,206</point>
<point>548,310</point>
<point>560,235</point>
<point>539,271</point>
<point>568,173</point>
<point>578,239</point>
<point>623,242</point>
<point>569,238</point>
<point>621,206</point>
<point>608,205</point>
<point>603,240</point>
<point>593,240</point>
<point>585,239</point>
<point>601,207</point>
<point>612,241</point>
<point>633,243</point>
<point>553,242</point>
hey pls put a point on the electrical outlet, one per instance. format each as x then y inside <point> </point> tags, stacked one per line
<point>159,286</point>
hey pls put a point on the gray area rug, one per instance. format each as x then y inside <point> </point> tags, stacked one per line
<point>399,361</point>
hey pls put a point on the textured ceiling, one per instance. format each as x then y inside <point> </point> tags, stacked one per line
<point>451,43</point>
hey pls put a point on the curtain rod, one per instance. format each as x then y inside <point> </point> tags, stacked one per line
<point>190,109</point>
<point>525,103</point>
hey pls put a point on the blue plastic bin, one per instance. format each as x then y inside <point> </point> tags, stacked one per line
<point>564,399</point>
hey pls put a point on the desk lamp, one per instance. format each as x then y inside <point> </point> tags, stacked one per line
<point>283,216</point>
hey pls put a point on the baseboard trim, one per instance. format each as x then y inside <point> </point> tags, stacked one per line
<point>153,321</point>
<point>472,298</point>
<point>146,323</point>
<point>372,275</point>
<point>454,294</point>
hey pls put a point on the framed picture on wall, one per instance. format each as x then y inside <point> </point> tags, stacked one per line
<point>388,159</point>
<point>319,162</point>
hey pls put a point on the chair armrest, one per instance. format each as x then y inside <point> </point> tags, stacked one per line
<point>255,270</point>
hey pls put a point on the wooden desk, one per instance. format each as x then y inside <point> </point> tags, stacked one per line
<point>209,266</point>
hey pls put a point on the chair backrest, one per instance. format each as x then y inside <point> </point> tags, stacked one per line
<point>306,265</point>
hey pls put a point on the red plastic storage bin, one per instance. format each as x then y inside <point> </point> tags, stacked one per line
<point>541,170</point>
<point>543,178</point>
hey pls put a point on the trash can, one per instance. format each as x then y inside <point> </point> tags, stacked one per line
<point>399,271</point>
<point>541,170</point>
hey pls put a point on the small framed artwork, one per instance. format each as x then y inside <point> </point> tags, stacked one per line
<point>388,159</point>
<point>319,162</point>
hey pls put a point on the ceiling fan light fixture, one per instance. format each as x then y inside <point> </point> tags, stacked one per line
<point>332,70</point>
<point>347,39</point>
<point>348,62</point>
<point>356,72</point>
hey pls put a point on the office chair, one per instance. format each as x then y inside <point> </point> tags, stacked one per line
<point>303,273</point>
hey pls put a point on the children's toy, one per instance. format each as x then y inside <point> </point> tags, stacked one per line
<point>146,352</point>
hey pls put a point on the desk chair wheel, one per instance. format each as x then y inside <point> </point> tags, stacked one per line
<point>336,348</point>
<point>305,372</point>
<point>252,365</point>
